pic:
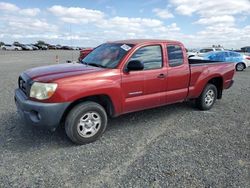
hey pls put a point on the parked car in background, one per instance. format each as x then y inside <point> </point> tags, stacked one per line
<point>26,47</point>
<point>203,51</point>
<point>191,53</point>
<point>41,46</point>
<point>84,53</point>
<point>33,47</point>
<point>241,61</point>
<point>52,47</point>
<point>245,49</point>
<point>23,46</point>
<point>66,48</point>
<point>10,47</point>
<point>75,48</point>
<point>58,46</point>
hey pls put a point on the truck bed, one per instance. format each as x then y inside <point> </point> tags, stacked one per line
<point>199,70</point>
<point>200,61</point>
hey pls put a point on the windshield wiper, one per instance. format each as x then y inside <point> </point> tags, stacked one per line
<point>83,62</point>
<point>96,65</point>
<point>93,64</point>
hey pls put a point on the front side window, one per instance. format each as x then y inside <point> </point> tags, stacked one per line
<point>150,56</point>
<point>107,55</point>
<point>175,55</point>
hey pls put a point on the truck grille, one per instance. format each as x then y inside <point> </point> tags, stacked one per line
<point>22,84</point>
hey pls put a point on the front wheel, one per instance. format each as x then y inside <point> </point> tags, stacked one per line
<point>240,67</point>
<point>86,122</point>
<point>207,98</point>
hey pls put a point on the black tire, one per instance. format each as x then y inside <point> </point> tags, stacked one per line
<point>204,102</point>
<point>240,66</point>
<point>4,48</point>
<point>73,126</point>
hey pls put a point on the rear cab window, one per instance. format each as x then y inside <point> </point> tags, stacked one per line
<point>175,55</point>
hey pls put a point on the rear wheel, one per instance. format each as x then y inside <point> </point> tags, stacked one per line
<point>240,67</point>
<point>86,122</point>
<point>207,98</point>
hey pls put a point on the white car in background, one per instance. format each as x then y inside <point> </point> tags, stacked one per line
<point>241,61</point>
<point>246,60</point>
<point>10,47</point>
<point>203,51</point>
<point>191,53</point>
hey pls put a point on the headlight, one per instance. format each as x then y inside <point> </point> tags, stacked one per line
<point>42,91</point>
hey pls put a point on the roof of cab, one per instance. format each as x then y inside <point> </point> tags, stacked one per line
<point>139,41</point>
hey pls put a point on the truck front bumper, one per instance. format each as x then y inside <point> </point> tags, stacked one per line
<point>45,115</point>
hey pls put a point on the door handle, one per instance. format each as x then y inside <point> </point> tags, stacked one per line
<point>161,76</point>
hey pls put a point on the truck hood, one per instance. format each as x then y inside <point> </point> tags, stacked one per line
<point>54,72</point>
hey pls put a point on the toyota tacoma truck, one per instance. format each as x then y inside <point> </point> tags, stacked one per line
<point>114,79</point>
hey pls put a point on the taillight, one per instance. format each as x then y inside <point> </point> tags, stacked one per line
<point>248,58</point>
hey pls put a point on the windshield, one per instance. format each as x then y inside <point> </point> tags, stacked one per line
<point>107,55</point>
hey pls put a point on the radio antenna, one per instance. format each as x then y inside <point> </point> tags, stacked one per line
<point>71,42</point>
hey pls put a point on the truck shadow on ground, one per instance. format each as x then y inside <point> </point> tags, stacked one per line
<point>132,119</point>
<point>16,135</point>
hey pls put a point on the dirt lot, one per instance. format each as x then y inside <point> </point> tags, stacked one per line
<point>172,146</point>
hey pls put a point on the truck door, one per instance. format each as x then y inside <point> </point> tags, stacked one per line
<point>178,74</point>
<point>145,88</point>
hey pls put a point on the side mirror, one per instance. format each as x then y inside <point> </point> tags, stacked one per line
<point>134,65</point>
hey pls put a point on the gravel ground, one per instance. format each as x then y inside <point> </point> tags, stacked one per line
<point>172,146</point>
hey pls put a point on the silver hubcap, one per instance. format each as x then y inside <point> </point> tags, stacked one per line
<point>209,98</point>
<point>89,124</point>
<point>240,67</point>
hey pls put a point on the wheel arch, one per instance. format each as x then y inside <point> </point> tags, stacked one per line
<point>218,82</point>
<point>104,100</point>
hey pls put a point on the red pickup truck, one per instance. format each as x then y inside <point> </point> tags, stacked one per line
<point>117,78</point>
